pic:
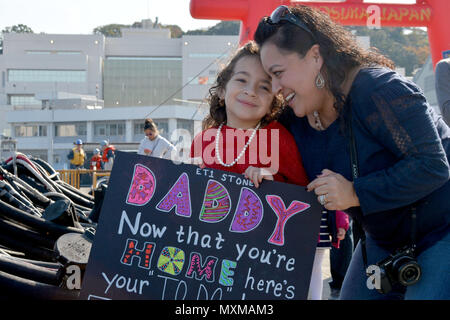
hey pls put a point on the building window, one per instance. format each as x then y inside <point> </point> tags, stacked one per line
<point>70,130</point>
<point>46,75</point>
<point>22,100</point>
<point>31,131</point>
<point>138,81</point>
<point>46,52</point>
<point>109,129</point>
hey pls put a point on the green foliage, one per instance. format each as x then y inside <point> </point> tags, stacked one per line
<point>222,28</point>
<point>18,28</point>
<point>110,30</point>
<point>407,47</point>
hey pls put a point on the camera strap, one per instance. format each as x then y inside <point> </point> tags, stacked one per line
<point>355,174</point>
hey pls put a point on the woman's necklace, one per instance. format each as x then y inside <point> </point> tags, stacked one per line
<point>240,154</point>
<point>317,121</point>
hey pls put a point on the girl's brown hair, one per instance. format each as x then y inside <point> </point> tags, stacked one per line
<point>217,112</point>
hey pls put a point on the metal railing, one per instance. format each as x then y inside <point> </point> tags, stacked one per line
<point>73,176</point>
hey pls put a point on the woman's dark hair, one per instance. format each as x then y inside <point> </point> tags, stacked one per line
<point>150,124</point>
<point>217,112</point>
<point>338,46</point>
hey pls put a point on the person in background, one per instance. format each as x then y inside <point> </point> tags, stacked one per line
<point>153,144</point>
<point>339,261</point>
<point>108,154</point>
<point>96,161</point>
<point>77,155</point>
<point>442,84</point>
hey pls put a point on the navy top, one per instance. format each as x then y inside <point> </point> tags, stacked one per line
<point>403,150</point>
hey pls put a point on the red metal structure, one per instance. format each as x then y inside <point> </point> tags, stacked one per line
<point>424,13</point>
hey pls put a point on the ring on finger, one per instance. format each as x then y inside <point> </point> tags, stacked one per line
<point>323,199</point>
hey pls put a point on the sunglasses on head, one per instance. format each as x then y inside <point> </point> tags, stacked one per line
<point>282,13</point>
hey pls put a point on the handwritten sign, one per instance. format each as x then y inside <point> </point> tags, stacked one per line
<point>169,231</point>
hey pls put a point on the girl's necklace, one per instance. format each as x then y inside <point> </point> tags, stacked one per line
<point>219,159</point>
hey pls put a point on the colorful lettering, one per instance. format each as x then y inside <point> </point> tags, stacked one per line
<point>201,271</point>
<point>283,215</point>
<point>142,186</point>
<point>144,256</point>
<point>216,203</point>
<point>226,273</point>
<point>171,260</point>
<point>249,212</point>
<point>178,197</point>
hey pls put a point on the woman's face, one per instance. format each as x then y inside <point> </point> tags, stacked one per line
<point>150,134</point>
<point>294,77</point>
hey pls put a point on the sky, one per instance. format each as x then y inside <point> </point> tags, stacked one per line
<point>82,16</point>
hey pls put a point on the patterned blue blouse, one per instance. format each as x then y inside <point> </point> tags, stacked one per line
<point>403,151</point>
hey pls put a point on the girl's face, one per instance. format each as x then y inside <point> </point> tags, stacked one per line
<point>294,77</point>
<point>150,134</point>
<point>248,94</point>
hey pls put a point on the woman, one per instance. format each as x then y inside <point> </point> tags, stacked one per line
<point>153,144</point>
<point>338,90</point>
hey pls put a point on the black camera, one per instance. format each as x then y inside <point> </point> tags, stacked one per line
<point>400,267</point>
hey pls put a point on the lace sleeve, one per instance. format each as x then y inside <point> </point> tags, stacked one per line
<point>399,119</point>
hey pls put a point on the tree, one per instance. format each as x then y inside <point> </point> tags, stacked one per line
<point>221,28</point>
<point>18,28</point>
<point>113,30</point>
<point>407,47</point>
<point>110,30</point>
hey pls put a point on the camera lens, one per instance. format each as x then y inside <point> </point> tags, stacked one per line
<point>409,273</point>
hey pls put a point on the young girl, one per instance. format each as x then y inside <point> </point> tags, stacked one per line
<point>242,107</point>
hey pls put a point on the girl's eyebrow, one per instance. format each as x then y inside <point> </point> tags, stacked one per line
<point>248,74</point>
<point>243,72</point>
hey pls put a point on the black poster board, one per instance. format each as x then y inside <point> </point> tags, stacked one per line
<point>175,231</point>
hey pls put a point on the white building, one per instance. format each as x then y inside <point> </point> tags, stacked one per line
<point>55,89</point>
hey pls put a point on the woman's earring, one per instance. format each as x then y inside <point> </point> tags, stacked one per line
<point>221,102</point>
<point>320,81</point>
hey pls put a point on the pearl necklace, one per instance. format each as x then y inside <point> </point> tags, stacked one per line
<point>240,154</point>
<point>318,123</point>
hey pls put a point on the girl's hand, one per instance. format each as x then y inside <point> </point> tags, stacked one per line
<point>336,192</point>
<point>341,233</point>
<point>256,175</point>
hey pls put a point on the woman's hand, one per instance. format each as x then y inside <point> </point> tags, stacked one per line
<point>333,191</point>
<point>256,175</point>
